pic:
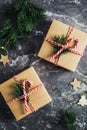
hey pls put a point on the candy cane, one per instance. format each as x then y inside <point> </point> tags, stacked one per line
<point>24,92</point>
<point>70,30</point>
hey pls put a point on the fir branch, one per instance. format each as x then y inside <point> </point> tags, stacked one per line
<point>22,17</point>
<point>69,119</point>
<point>18,90</point>
<point>61,40</point>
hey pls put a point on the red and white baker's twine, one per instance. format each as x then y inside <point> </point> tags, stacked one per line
<point>68,43</point>
<point>24,96</point>
<point>16,79</point>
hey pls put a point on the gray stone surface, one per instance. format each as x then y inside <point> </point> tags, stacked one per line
<point>56,79</point>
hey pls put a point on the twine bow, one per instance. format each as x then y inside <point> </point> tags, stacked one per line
<point>69,42</point>
<point>25,94</point>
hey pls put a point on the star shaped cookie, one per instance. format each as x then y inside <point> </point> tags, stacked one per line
<point>76,84</point>
<point>83,100</point>
<point>4,59</point>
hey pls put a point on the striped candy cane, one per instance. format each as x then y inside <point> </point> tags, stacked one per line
<point>70,30</point>
<point>24,93</point>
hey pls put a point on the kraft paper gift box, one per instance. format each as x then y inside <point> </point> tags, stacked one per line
<point>39,98</point>
<point>68,60</point>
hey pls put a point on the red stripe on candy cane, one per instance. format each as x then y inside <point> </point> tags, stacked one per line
<point>24,92</point>
<point>70,30</point>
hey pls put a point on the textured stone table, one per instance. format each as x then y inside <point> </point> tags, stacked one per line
<point>56,79</point>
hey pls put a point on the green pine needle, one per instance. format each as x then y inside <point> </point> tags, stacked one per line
<point>69,119</point>
<point>21,18</point>
<point>18,90</point>
<point>61,40</point>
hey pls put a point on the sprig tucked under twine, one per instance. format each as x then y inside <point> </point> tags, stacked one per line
<point>23,92</point>
<point>64,44</point>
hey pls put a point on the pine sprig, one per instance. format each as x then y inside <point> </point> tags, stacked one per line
<point>21,18</point>
<point>69,119</point>
<point>61,40</point>
<point>18,90</point>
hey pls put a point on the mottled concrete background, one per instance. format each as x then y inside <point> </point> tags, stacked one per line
<point>57,80</point>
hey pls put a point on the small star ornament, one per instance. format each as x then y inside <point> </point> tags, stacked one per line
<point>76,84</point>
<point>82,101</point>
<point>4,59</point>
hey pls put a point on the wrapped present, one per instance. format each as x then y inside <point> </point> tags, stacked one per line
<point>24,93</point>
<point>63,45</point>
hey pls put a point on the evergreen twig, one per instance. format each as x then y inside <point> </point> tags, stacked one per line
<point>18,90</point>
<point>21,18</point>
<point>69,119</point>
<point>61,40</point>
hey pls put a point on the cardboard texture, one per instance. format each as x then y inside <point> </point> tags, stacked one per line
<point>68,60</point>
<point>38,98</point>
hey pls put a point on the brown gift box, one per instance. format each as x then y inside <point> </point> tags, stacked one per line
<point>38,98</point>
<point>68,60</point>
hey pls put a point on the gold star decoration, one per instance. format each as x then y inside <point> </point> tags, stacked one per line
<point>4,59</point>
<point>82,101</point>
<point>76,84</point>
